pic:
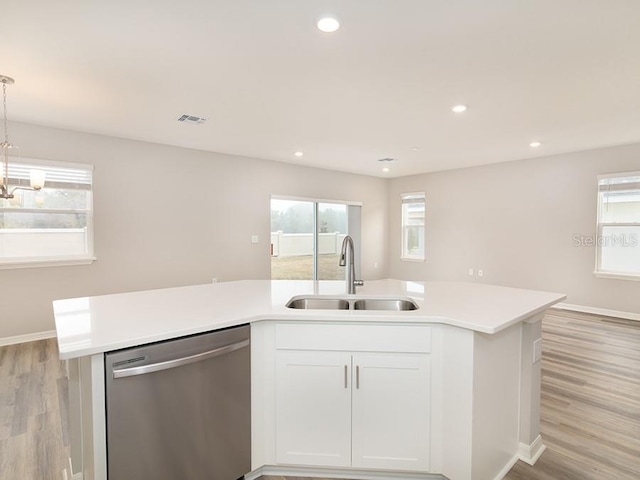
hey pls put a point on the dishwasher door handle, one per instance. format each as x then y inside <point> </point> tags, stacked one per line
<point>178,362</point>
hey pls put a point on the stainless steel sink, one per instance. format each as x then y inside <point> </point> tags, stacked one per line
<point>318,303</point>
<point>391,304</point>
<point>329,303</point>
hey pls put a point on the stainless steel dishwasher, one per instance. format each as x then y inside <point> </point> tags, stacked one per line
<point>180,409</point>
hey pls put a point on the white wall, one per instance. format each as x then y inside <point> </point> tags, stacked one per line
<point>517,222</point>
<point>168,216</point>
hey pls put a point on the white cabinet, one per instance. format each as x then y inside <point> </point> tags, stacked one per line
<point>353,408</point>
<point>390,411</point>
<point>313,408</point>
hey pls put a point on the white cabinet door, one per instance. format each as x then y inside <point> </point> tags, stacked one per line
<point>391,411</point>
<point>313,408</point>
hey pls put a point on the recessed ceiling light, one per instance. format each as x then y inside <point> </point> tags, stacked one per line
<point>459,108</point>
<point>535,144</point>
<point>298,154</point>
<point>328,24</point>
<point>386,169</point>
<point>415,149</point>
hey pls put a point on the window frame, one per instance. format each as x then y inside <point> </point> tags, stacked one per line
<point>600,225</point>
<point>55,260</point>
<point>405,198</point>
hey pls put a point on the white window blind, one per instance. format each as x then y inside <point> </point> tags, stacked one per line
<point>618,239</point>
<point>53,226</point>
<point>61,177</point>
<point>413,226</point>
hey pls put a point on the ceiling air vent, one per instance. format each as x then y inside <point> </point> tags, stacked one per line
<point>191,119</point>
<point>384,160</point>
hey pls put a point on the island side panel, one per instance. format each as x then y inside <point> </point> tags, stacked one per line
<point>531,446</point>
<point>93,417</point>
<point>496,398</point>
<point>263,395</point>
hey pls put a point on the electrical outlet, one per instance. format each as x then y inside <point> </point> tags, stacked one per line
<point>255,239</point>
<point>471,272</point>
<point>214,280</point>
<point>481,273</point>
<point>537,350</point>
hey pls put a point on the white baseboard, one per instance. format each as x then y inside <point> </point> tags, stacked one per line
<point>531,453</point>
<point>598,311</point>
<point>507,468</point>
<point>74,476</point>
<point>29,337</point>
<point>338,473</point>
<point>66,476</point>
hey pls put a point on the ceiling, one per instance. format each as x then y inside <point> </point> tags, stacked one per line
<point>562,72</point>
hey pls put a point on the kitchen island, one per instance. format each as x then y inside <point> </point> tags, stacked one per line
<point>457,380</point>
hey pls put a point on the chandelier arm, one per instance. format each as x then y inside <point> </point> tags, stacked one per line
<point>5,194</point>
<point>31,189</point>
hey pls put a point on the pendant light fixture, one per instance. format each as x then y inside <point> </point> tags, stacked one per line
<point>37,177</point>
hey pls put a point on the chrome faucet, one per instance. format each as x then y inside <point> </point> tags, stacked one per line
<point>352,283</point>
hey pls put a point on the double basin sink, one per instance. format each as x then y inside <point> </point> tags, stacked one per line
<point>336,303</point>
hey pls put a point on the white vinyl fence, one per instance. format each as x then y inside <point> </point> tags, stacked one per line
<point>297,244</point>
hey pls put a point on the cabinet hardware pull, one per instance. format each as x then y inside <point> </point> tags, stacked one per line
<point>357,376</point>
<point>345,377</point>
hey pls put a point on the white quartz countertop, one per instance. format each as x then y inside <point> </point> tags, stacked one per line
<point>90,325</point>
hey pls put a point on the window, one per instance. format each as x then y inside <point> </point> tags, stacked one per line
<point>306,237</point>
<point>53,226</point>
<point>618,239</point>
<point>413,226</point>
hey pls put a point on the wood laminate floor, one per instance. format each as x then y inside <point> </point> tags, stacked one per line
<point>590,409</point>
<point>590,417</point>
<point>33,405</point>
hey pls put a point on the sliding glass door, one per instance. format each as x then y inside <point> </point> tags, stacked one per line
<point>331,229</point>
<point>292,239</point>
<point>306,237</point>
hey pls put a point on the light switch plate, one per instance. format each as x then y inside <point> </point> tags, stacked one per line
<point>255,239</point>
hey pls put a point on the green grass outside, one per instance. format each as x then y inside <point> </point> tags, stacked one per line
<point>301,268</point>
